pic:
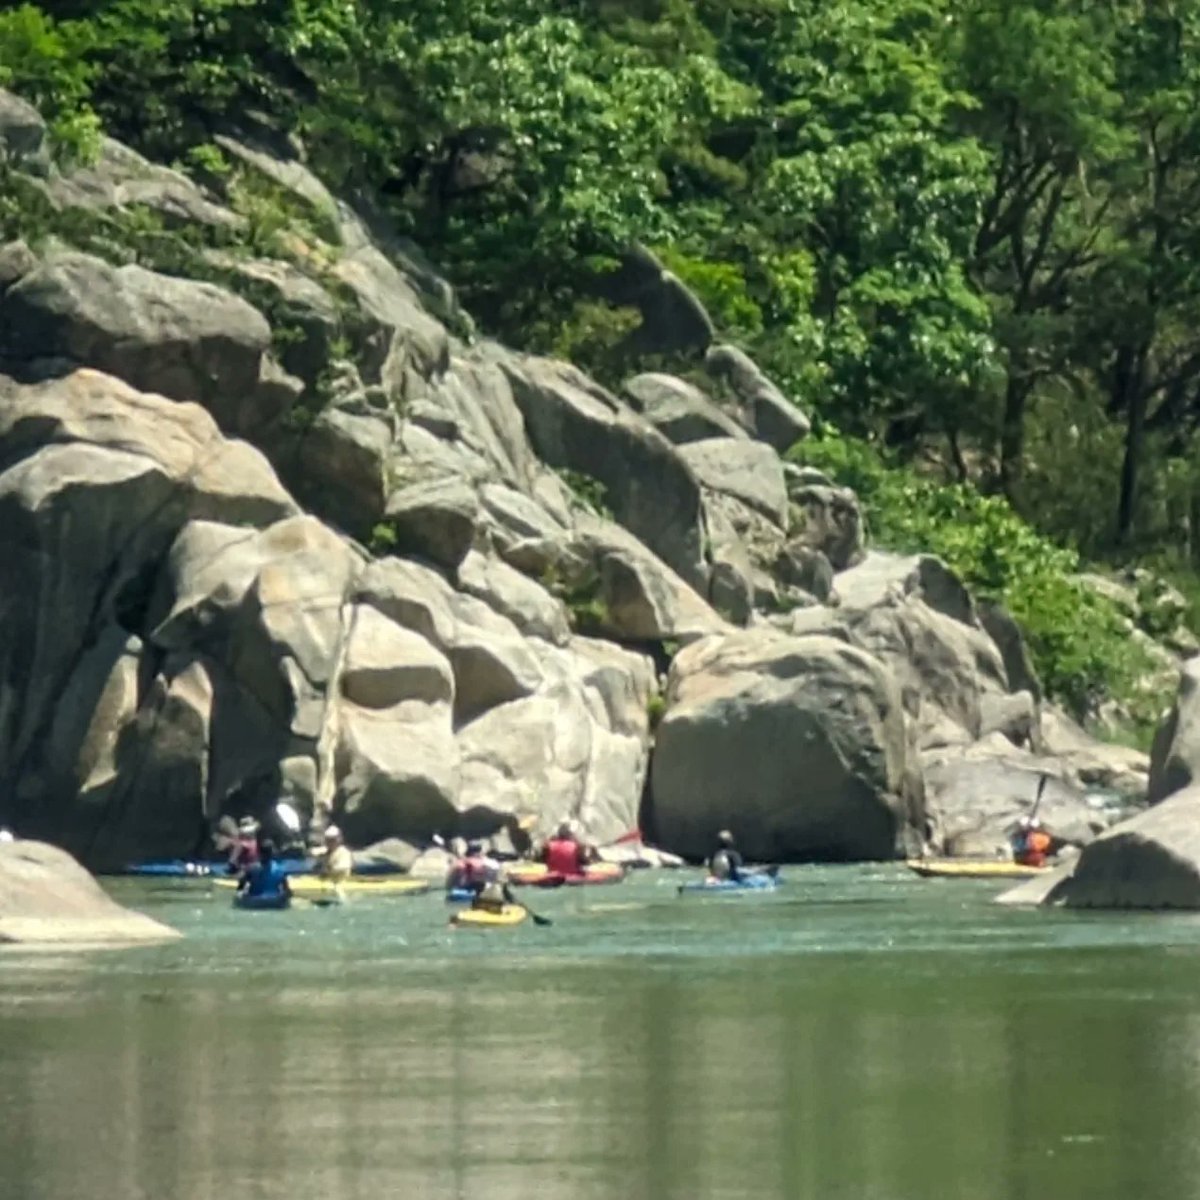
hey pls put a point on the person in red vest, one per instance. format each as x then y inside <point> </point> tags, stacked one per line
<point>475,870</point>
<point>563,854</point>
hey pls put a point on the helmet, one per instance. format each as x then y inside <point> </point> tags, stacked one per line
<point>6,835</point>
<point>564,830</point>
<point>474,847</point>
<point>725,837</point>
<point>247,825</point>
<point>333,834</point>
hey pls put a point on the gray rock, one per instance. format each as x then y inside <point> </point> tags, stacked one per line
<point>22,134</point>
<point>976,796</point>
<point>575,424</point>
<point>1006,633</point>
<point>798,565</point>
<point>340,467</point>
<point>638,597</point>
<point>678,410</point>
<point>120,177</point>
<point>797,745</point>
<point>829,520</point>
<point>1015,715</point>
<point>530,607</point>
<point>436,520</point>
<point>16,261</point>
<point>767,413</point>
<point>185,340</point>
<point>1175,756</point>
<point>747,471</point>
<point>1091,762</point>
<point>47,897</point>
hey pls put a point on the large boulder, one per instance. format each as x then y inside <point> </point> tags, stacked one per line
<point>179,338</point>
<point>1175,755</point>
<point>765,411</point>
<point>23,140</point>
<point>748,472</point>
<point>1150,861</point>
<point>797,745</point>
<point>680,411</point>
<point>829,519</point>
<point>47,897</point>
<point>98,481</point>
<point>626,593</point>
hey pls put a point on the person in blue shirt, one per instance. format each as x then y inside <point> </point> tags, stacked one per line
<point>266,877</point>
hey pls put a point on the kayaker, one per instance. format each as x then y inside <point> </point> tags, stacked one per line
<point>266,877</point>
<point>725,862</point>
<point>1032,844</point>
<point>493,896</point>
<point>244,853</point>
<point>474,870</point>
<point>563,855</point>
<point>337,863</point>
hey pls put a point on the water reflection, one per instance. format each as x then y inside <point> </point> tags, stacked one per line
<point>822,1078</point>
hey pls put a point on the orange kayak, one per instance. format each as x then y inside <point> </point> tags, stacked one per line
<point>536,875</point>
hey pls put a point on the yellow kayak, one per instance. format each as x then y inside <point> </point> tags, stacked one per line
<point>966,868</point>
<point>313,887</point>
<point>486,918</point>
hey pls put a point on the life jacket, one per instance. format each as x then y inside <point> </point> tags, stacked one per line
<point>245,852</point>
<point>266,879</point>
<point>564,856</point>
<point>1034,849</point>
<point>474,871</point>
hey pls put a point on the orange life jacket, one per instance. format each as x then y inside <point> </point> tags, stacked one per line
<point>1037,846</point>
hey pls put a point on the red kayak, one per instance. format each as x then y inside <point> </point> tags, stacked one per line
<point>536,875</point>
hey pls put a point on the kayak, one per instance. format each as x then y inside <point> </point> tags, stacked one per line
<point>272,902</point>
<point>180,868</point>
<point>537,875</point>
<point>748,883</point>
<point>966,868</point>
<point>485,918</point>
<point>313,887</point>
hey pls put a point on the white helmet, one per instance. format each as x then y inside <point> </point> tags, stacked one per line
<point>333,834</point>
<point>6,835</point>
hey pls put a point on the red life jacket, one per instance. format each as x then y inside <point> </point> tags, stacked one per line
<point>245,853</point>
<point>564,856</point>
<point>473,870</point>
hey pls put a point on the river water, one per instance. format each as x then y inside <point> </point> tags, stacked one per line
<point>861,1034</point>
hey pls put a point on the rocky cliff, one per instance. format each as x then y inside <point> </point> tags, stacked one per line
<point>275,521</point>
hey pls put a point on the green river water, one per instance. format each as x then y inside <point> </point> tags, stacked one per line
<point>861,1034</point>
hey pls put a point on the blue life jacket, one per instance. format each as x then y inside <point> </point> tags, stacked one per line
<point>266,879</point>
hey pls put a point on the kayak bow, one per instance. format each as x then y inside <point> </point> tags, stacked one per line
<point>487,918</point>
<point>965,868</point>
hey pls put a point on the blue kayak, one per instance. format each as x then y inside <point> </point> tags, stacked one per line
<point>268,902</point>
<point>748,883</point>
<point>185,869</point>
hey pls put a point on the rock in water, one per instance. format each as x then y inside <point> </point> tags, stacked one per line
<point>798,745</point>
<point>1175,757</point>
<point>47,897</point>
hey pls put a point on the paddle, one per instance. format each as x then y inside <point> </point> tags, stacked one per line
<point>1041,791</point>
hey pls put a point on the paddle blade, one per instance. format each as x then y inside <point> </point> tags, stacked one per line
<point>538,919</point>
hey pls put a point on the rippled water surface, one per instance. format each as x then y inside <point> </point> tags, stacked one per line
<point>861,1034</point>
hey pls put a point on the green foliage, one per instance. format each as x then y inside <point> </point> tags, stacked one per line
<point>965,230</point>
<point>656,709</point>
<point>383,539</point>
<point>588,493</point>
